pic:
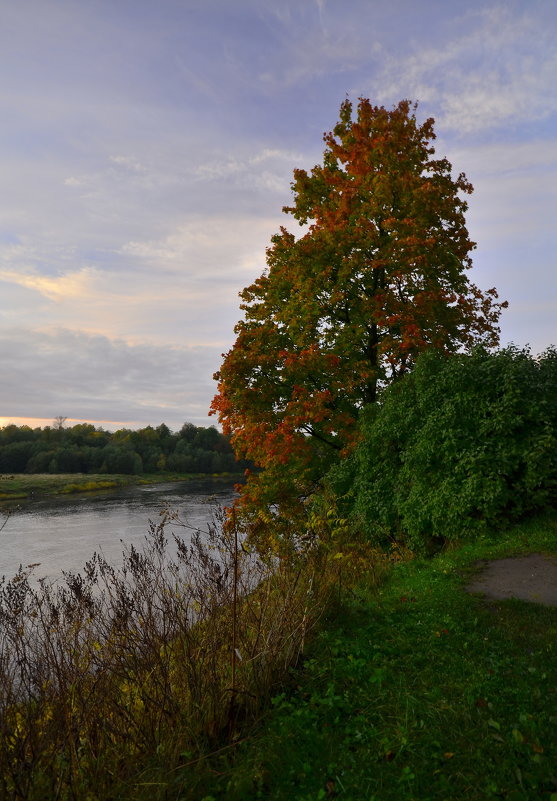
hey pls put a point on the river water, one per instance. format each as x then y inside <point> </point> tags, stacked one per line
<point>62,532</point>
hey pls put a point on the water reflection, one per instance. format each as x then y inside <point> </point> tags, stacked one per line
<point>62,532</point>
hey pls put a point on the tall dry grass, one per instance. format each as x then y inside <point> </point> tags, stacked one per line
<point>114,680</point>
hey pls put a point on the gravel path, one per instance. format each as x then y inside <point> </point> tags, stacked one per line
<point>531,578</point>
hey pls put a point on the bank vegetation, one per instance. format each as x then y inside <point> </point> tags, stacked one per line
<point>84,448</point>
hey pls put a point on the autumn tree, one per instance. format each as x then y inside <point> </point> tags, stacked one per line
<point>378,275</point>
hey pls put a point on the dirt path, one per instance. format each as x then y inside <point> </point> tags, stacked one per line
<point>531,578</point>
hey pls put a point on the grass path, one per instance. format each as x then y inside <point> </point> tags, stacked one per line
<point>415,691</point>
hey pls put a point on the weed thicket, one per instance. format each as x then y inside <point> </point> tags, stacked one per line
<point>115,683</point>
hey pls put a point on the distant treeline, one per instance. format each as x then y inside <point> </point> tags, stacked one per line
<point>85,449</point>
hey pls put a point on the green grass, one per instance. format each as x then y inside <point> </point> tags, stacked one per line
<point>414,691</point>
<point>23,485</point>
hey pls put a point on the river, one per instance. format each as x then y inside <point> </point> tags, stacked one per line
<point>62,532</point>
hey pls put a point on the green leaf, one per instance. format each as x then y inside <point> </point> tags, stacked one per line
<point>517,736</point>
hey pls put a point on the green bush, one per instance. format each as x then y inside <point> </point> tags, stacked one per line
<point>462,443</point>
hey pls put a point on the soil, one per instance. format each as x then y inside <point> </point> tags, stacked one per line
<point>530,578</point>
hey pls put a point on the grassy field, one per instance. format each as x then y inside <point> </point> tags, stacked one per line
<point>414,691</point>
<point>23,485</point>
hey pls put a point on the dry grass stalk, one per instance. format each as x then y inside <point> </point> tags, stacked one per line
<point>117,674</point>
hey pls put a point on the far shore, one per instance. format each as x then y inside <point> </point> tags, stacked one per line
<point>22,486</point>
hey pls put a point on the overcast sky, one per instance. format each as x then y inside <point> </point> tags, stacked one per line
<point>147,148</point>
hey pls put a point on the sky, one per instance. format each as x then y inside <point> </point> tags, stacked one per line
<point>147,150</point>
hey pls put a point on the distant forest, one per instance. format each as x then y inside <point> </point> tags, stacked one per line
<point>85,449</point>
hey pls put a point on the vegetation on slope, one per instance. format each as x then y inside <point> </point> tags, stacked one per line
<point>414,691</point>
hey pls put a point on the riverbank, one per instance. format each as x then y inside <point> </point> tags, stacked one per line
<point>412,688</point>
<point>416,689</point>
<point>131,669</point>
<point>23,486</point>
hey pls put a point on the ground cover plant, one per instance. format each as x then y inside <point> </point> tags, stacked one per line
<point>416,691</point>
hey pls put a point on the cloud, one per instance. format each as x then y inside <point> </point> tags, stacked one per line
<point>206,251</point>
<point>515,190</point>
<point>180,288</point>
<point>500,70</point>
<point>494,159</point>
<point>94,378</point>
<point>270,169</point>
<point>71,286</point>
<point>147,151</point>
<point>512,218</point>
<point>312,53</point>
<point>128,162</point>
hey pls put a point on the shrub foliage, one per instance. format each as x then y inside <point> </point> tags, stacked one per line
<point>461,444</point>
